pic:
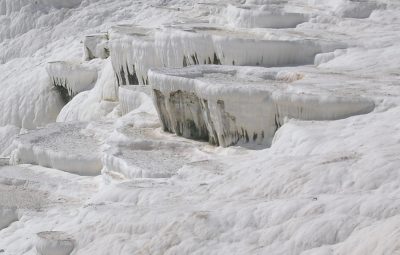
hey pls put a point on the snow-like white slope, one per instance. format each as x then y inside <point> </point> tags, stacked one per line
<point>96,46</point>
<point>8,216</point>
<point>33,33</point>
<point>323,187</point>
<point>27,100</point>
<point>7,135</point>
<point>276,206</point>
<point>31,191</point>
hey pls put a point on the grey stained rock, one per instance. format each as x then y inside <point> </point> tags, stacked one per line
<point>96,46</point>
<point>222,105</point>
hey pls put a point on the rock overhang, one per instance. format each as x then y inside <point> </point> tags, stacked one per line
<point>71,78</point>
<point>134,49</point>
<point>229,105</point>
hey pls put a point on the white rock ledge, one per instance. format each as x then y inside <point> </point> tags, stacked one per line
<point>132,97</point>
<point>228,105</point>
<point>54,243</point>
<point>70,78</point>
<point>262,17</point>
<point>146,153</point>
<point>64,146</point>
<point>96,46</point>
<point>134,50</point>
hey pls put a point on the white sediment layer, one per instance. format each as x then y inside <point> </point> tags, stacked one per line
<point>7,136</point>
<point>133,97</point>
<point>74,78</point>
<point>54,243</point>
<point>321,188</point>
<point>134,50</point>
<point>63,146</point>
<point>262,17</point>
<point>234,105</point>
<point>7,216</point>
<point>96,46</point>
<point>146,158</point>
<point>95,103</point>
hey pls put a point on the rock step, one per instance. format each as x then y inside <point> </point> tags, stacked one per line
<point>64,146</point>
<point>54,243</point>
<point>145,153</point>
<point>71,78</point>
<point>250,16</point>
<point>134,50</point>
<point>228,105</point>
<point>133,97</point>
<point>128,151</point>
<point>96,46</point>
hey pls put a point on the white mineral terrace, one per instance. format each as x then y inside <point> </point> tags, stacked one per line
<point>54,243</point>
<point>199,127</point>
<point>62,146</point>
<point>136,49</point>
<point>96,46</point>
<point>7,216</point>
<point>132,97</point>
<point>71,78</point>
<point>132,53</point>
<point>262,17</point>
<point>146,153</point>
<point>231,105</point>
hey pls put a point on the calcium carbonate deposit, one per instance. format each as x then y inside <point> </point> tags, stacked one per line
<point>199,127</point>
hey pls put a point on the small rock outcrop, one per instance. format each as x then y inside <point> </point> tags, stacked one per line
<point>54,243</point>
<point>96,46</point>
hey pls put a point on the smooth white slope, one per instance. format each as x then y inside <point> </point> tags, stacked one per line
<point>27,100</point>
<point>322,188</point>
<point>277,205</point>
<point>7,136</point>
<point>34,33</point>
